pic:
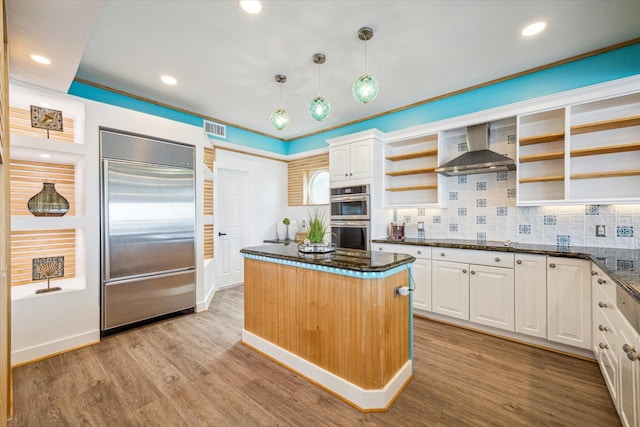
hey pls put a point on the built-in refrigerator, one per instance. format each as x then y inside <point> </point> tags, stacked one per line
<point>148,229</point>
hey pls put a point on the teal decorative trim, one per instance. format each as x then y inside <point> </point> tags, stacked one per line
<point>607,66</point>
<point>332,270</point>
<point>604,67</point>
<point>234,135</point>
<point>409,279</point>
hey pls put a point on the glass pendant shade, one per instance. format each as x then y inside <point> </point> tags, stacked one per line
<point>319,109</point>
<point>365,89</point>
<point>279,119</point>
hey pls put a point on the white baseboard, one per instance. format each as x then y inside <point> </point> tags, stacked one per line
<point>52,348</point>
<point>204,305</point>
<point>363,399</point>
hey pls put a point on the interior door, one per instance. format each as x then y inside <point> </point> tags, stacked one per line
<point>231,217</point>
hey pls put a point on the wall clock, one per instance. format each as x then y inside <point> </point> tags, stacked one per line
<point>45,118</point>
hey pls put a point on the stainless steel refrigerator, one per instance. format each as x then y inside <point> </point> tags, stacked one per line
<point>148,228</point>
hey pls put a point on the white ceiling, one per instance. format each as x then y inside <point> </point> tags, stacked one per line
<point>225,60</point>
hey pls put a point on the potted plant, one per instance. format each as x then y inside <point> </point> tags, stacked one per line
<point>317,228</point>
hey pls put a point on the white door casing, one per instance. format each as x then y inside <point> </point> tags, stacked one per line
<point>230,225</point>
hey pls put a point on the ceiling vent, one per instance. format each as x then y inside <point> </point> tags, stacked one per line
<point>215,129</point>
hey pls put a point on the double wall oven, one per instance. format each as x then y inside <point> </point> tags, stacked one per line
<point>350,217</point>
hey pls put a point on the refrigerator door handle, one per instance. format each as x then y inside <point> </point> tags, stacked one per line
<point>138,278</point>
<point>105,221</point>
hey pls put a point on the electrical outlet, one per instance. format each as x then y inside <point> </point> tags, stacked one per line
<point>601,231</point>
<point>420,225</point>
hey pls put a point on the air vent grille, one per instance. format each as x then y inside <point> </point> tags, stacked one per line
<point>215,129</point>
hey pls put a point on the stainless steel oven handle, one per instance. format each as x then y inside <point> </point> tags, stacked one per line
<point>356,198</point>
<point>358,224</point>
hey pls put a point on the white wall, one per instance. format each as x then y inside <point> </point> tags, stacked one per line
<point>50,323</point>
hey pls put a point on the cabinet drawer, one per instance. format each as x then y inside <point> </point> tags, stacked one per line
<point>420,252</point>
<point>468,256</point>
<point>603,283</point>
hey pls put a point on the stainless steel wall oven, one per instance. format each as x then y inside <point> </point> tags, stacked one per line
<point>350,217</point>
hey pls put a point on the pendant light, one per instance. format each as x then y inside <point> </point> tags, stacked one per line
<point>365,88</point>
<point>319,109</point>
<point>280,118</point>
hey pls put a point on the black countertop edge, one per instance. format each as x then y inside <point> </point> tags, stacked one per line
<point>346,259</point>
<point>602,257</point>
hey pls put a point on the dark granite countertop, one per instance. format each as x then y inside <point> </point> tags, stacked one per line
<point>347,259</point>
<point>619,264</point>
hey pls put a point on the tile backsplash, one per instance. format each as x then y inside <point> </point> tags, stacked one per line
<point>483,207</point>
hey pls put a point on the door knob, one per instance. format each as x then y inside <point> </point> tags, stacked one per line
<point>519,261</point>
<point>601,281</point>
<point>552,265</point>
<point>221,234</point>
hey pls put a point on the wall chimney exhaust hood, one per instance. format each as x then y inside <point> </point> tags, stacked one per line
<point>479,159</point>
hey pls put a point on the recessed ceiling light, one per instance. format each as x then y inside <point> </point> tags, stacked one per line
<point>168,80</point>
<point>533,29</point>
<point>41,59</point>
<point>45,156</point>
<point>251,6</point>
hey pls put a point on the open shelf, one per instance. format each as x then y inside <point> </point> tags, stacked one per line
<point>610,174</point>
<point>542,179</point>
<point>541,157</point>
<point>410,172</point>
<point>414,155</point>
<point>605,125</point>
<point>619,148</point>
<point>413,188</point>
<point>540,139</point>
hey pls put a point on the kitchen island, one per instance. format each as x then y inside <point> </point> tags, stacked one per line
<point>333,318</point>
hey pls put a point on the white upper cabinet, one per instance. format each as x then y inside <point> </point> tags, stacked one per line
<point>409,169</point>
<point>351,161</point>
<point>581,153</point>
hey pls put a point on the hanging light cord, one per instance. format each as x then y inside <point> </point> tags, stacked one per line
<point>365,56</point>
<point>318,79</point>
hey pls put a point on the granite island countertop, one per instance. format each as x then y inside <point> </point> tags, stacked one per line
<point>347,259</point>
<point>619,264</point>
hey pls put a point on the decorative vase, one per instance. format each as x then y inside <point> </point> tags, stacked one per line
<point>286,239</point>
<point>48,202</point>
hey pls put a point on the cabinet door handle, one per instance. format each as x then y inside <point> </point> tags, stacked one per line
<point>603,346</point>
<point>603,328</point>
<point>497,259</point>
<point>601,281</point>
<point>441,253</point>
<point>350,174</point>
<point>473,272</point>
<point>552,265</point>
<point>594,273</point>
<point>603,304</point>
<point>419,252</point>
<point>221,234</point>
<point>464,270</point>
<point>631,352</point>
<point>519,261</point>
<point>380,248</point>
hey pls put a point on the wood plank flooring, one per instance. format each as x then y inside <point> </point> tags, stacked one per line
<point>193,371</point>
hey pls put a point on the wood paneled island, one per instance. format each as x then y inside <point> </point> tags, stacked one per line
<point>333,318</point>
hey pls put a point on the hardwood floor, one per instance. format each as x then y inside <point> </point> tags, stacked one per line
<point>193,371</point>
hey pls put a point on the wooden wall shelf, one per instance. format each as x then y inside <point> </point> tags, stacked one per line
<point>605,125</point>
<point>541,157</point>
<point>540,139</point>
<point>413,188</point>
<point>542,179</point>
<point>411,172</point>
<point>610,174</point>
<point>610,149</point>
<point>414,155</point>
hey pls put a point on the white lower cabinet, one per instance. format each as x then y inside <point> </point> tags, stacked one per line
<point>569,301</point>
<point>629,392</point>
<point>421,275</point>
<point>450,289</point>
<point>491,296</point>
<point>531,295</point>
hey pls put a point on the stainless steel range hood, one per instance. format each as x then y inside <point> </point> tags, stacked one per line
<point>479,159</point>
